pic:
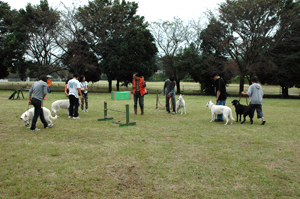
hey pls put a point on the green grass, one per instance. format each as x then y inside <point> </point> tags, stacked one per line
<point>163,156</point>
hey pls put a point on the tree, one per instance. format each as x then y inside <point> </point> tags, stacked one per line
<point>12,42</point>
<point>41,22</point>
<point>108,23</point>
<point>212,58</point>
<point>134,52</point>
<point>169,37</point>
<point>250,28</point>
<point>77,56</point>
<point>286,54</point>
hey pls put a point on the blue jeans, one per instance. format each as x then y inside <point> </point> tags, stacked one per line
<point>258,108</point>
<point>137,96</point>
<point>221,102</point>
<point>49,89</point>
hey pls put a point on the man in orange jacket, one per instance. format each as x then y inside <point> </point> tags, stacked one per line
<point>139,90</point>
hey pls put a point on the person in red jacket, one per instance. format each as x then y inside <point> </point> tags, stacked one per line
<point>139,90</point>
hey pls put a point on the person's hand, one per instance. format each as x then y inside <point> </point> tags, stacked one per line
<point>244,93</point>
<point>29,102</point>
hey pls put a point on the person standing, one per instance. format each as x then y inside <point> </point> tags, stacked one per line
<point>139,90</point>
<point>49,84</point>
<point>255,94</point>
<point>220,91</point>
<point>84,90</point>
<point>74,90</point>
<point>170,93</point>
<point>37,93</point>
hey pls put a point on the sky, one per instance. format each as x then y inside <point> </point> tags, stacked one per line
<point>153,10</point>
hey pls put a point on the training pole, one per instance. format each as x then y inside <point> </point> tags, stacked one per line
<point>127,118</point>
<point>105,113</point>
<point>157,100</point>
<point>106,118</point>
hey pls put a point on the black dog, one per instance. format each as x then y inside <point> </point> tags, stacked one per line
<point>242,109</point>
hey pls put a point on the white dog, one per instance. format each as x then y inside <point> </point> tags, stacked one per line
<point>28,115</point>
<point>58,104</point>
<point>180,104</point>
<point>217,109</point>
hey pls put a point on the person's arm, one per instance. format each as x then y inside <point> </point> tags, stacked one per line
<point>144,84</point>
<point>29,95</point>
<point>66,89</point>
<point>133,86</point>
<point>218,95</point>
<point>164,88</point>
<point>244,93</point>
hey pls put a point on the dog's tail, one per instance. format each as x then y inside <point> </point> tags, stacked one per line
<point>53,112</point>
<point>53,118</point>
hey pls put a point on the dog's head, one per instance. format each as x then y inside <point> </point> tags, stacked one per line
<point>24,117</point>
<point>209,103</point>
<point>180,98</point>
<point>235,102</point>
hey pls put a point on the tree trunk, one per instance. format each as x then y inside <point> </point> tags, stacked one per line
<point>118,85</point>
<point>178,87</point>
<point>201,88</point>
<point>109,85</point>
<point>285,92</point>
<point>242,79</point>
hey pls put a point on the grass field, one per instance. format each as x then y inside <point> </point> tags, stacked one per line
<point>163,156</point>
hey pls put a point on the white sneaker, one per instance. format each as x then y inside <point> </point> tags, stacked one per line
<point>86,110</point>
<point>75,118</point>
<point>35,129</point>
<point>69,117</point>
<point>49,126</point>
<point>83,111</point>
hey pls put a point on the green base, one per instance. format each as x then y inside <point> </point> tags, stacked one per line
<point>120,124</point>
<point>129,124</point>
<point>104,119</point>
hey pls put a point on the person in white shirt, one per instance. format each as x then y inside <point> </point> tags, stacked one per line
<point>74,90</point>
<point>84,90</point>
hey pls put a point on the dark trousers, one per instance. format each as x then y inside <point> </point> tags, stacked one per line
<point>137,96</point>
<point>258,108</point>
<point>38,112</point>
<point>74,104</point>
<point>85,100</point>
<point>168,103</point>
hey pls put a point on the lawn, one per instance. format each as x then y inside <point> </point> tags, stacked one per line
<point>162,156</point>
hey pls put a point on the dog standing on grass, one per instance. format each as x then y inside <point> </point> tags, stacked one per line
<point>180,104</point>
<point>27,116</point>
<point>58,104</point>
<point>242,110</point>
<point>218,109</point>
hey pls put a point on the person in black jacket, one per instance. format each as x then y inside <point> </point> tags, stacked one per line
<point>220,91</point>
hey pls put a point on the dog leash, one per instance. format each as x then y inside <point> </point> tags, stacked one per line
<point>246,99</point>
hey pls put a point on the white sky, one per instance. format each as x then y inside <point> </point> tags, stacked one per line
<point>153,10</point>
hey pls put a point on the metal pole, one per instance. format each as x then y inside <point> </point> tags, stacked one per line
<point>127,113</point>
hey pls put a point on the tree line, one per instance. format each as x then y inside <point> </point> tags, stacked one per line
<point>244,38</point>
